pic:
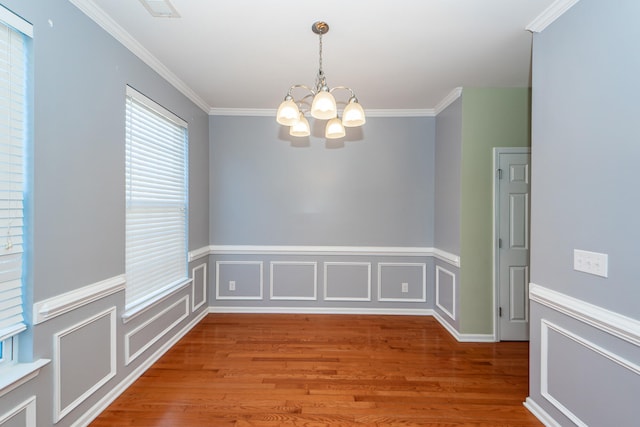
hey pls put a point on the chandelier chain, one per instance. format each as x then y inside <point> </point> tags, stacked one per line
<point>321,79</point>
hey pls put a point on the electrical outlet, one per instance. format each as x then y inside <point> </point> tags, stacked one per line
<point>405,288</point>
<point>591,262</point>
<point>232,285</point>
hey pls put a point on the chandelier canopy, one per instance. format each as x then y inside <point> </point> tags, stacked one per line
<point>323,107</point>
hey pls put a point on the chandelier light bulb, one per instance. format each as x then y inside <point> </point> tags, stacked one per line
<point>334,129</point>
<point>288,112</point>
<point>353,115</point>
<point>301,127</point>
<point>324,106</point>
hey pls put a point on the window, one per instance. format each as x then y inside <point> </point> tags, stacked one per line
<point>156,200</point>
<point>14,42</point>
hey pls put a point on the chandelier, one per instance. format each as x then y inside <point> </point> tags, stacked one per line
<point>323,107</point>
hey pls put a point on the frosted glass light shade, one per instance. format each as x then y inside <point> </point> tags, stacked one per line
<point>334,129</point>
<point>288,113</point>
<point>324,106</point>
<point>353,115</point>
<point>301,127</point>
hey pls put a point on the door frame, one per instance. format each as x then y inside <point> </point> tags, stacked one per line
<point>496,226</point>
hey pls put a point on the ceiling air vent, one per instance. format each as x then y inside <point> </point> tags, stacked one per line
<point>160,8</point>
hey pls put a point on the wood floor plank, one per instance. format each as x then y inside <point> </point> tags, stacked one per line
<point>246,370</point>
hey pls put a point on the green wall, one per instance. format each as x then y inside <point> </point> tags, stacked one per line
<point>490,118</point>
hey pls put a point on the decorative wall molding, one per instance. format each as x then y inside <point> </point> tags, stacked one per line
<point>64,303</point>
<point>608,321</point>
<point>547,326</point>
<point>115,391</point>
<point>329,264</point>
<point>19,374</point>
<point>197,304</point>
<point>272,284</point>
<point>549,15</point>
<point>196,254</point>
<point>59,411</point>
<point>101,18</point>
<point>147,305</point>
<point>29,408</point>
<point>320,310</point>
<point>128,357</point>
<point>260,295</point>
<point>450,258</point>
<point>451,313</point>
<point>423,266</point>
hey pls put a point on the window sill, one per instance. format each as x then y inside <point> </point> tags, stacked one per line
<point>19,374</point>
<point>137,310</point>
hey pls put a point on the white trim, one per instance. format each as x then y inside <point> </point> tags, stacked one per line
<point>463,337</point>
<point>196,305</point>
<point>320,250</point>
<point>623,327</point>
<point>381,265</point>
<point>250,297</point>
<point>139,309</point>
<point>356,264</point>
<point>447,257</point>
<point>196,254</point>
<point>100,17</point>
<point>272,264</point>
<point>28,406</point>
<point>19,374</point>
<point>128,357</point>
<point>58,411</point>
<point>448,100</point>
<point>320,310</point>
<point>16,21</point>
<point>102,404</point>
<point>540,413</point>
<point>544,364</point>
<point>64,303</point>
<point>271,112</point>
<point>549,15</point>
<point>453,293</point>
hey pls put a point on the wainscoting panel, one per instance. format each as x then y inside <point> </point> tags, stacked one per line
<point>198,286</point>
<point>347,281</point>
<point>23,415</point>
<point>84,360</point>
<point>239,280</point>
<point>406,282</point>
<point>571,362</point>
<point>145,335</point>
<point>446,291</point>
<point>294,280</point>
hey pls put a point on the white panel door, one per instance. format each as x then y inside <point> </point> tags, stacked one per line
<point>512,264</point>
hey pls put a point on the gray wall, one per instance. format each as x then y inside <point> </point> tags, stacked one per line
<point>585,196</point>
<point>374,190</point>
<point>77,206</point>
<point>448,154</point>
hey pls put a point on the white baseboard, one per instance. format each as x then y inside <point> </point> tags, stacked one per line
<point>320,310</point>
<point>463,337</point>
<point>117,390</point>
<point>540,413</point>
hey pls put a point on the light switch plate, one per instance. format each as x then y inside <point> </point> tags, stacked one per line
<point>591,262</point>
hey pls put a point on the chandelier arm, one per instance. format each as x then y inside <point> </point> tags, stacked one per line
<point>353,94</point>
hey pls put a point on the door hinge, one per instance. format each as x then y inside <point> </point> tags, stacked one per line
<point>499,311</point>
<point>499,173</point>
<point>499,243</point>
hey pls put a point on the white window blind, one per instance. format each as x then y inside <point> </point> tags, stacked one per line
<point>156,199</point>
<point>13,114</point>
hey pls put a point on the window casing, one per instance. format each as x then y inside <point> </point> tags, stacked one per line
<point>15,36</point>
<point>156,200</point>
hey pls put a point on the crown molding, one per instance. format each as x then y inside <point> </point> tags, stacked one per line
<point>448,100</point>
<point>550,14</point>
<point>100,17</point>
<point>271,112</point>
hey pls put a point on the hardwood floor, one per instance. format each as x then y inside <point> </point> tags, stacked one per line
<point>327,370</point>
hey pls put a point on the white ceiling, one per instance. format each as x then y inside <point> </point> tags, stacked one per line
<point>242,55</point>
